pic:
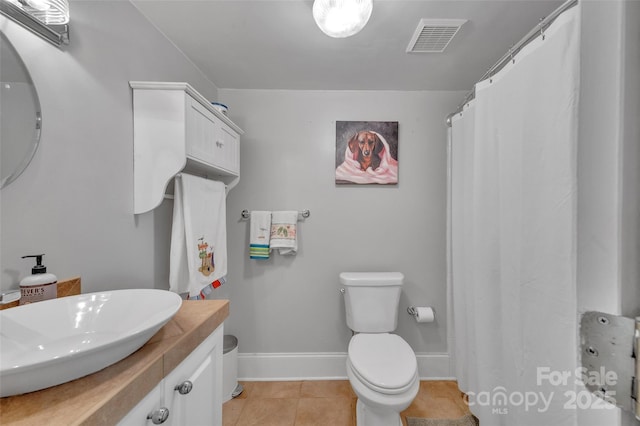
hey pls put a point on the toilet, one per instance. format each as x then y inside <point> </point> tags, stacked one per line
<point>381,366</point>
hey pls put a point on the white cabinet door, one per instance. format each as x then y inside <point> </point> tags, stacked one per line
<point>202,132</point>
<point>202,404</point>
<point>200,378</point>
<point>229,149</point>
<point>138,415</point>
<point>209,140</point>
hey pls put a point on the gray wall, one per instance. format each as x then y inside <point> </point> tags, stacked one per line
<point>608,161</point>
<point>630,228</point>
<point>75,201</point>
<point>599,158</point>
<point>292,304</point>
<point>631,163</point>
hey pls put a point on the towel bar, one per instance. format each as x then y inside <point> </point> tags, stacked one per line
<point>246,214</point>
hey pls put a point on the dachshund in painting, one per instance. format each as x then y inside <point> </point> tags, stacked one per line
<point>368,146</point>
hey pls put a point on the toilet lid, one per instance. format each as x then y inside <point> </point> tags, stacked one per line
<point>384,360</point>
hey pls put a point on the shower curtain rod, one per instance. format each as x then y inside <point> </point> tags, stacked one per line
<point>532,35</point>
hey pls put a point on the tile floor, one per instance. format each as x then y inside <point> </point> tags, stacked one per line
<point>329,403</point>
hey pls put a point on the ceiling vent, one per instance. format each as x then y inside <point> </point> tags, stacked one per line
<point>434,35</point>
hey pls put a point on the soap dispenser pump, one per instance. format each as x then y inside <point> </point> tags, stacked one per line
<point>39,285</point>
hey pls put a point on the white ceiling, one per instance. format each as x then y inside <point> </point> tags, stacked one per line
<point>266,44</point>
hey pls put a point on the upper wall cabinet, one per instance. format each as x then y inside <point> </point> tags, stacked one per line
<point>177,129</point>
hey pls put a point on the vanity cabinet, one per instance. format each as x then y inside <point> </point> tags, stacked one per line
<point>191,394</point>
<point>177,129</point>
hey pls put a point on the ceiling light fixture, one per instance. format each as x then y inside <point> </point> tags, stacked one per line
<point>342,18</point>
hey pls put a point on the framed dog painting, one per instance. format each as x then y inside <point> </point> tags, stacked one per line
<point>367,152</point>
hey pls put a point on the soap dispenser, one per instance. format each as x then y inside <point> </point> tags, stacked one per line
<point>39,285</point>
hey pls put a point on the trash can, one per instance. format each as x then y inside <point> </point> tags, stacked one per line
<point>230,386</point>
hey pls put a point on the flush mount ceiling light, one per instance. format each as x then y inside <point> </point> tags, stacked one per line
<point>47,18</point>
<point>342,18</point>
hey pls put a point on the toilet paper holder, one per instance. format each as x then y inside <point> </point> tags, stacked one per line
<point>411,310</point>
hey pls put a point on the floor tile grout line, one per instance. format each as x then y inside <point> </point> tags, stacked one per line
<point>295,416</point>
<point>434,391</point>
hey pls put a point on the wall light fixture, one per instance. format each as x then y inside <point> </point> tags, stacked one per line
<point>47,18</point>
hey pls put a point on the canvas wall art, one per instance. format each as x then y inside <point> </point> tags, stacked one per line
<point>367,152</point>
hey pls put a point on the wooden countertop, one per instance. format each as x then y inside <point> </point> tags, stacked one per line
<point>103,398</point>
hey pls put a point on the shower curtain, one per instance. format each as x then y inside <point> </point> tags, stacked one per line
<point>513,235</point>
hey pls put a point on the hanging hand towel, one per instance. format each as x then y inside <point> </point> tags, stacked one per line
<point>198,260</point>
<point>259,235</point>
<point>284,226</point>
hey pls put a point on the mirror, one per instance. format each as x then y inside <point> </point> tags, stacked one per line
<point>20,117</point>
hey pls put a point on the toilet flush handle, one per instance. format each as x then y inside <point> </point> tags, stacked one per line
<point>342,290</point>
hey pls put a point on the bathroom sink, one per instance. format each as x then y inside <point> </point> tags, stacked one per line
<point>47,343</point>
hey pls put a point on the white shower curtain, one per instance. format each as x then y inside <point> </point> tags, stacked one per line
<point>513,220</point>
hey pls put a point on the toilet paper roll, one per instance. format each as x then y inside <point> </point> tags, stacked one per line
<point>424,314</point>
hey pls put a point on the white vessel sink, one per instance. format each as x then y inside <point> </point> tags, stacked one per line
<point>52,342</point>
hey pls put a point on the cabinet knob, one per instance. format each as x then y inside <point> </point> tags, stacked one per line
<point>184,387</point>
<point>159,416</point>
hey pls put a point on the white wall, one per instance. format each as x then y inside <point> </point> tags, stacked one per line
<point>75,200</point>
<point>292,304</point>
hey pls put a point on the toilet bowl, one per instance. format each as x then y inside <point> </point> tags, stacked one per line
<point>381,366</point>
<point>383,373</point>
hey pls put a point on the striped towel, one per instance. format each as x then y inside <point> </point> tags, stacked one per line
<point>259,235</point>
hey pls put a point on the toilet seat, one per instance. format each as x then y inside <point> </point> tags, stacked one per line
<point>384,362</point>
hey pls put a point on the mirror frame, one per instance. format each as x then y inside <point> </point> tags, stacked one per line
<point>35,141</point>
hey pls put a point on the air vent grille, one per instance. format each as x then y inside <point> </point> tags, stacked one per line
<point>434,35</point>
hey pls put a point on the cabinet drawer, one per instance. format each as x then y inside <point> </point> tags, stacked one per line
<point>209,140</point>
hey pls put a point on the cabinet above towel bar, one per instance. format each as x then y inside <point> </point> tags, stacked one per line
<point>177,129</point>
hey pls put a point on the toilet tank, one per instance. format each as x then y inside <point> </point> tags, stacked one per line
<point>371,300</point>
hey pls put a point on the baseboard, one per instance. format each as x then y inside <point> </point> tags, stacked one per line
<point>324,366</point>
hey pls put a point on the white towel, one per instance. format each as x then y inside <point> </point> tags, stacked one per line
<point>284,226</point>
<point>198,257</point>
<point>259,235</point>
